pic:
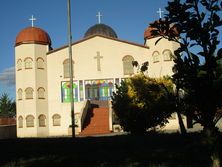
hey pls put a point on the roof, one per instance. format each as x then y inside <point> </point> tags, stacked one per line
<point>33,35</point>
<point>100,29</point>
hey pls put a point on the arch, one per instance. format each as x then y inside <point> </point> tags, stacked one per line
<point>19,64</point>
<point>41,93</point>
<point>42,120</point>
<point>127,65</point>
<point>167,55</point>
<point>66,68</point>
<point>40,63</point>
<point>20,122</point>
<point>156,56</point>
<point>56,119</point>
<point>29,93</point>
<point>30,121</point>
<point>19,92</point>
<point>28,63</point>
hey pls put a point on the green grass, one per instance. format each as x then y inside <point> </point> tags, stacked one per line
<point>151,150</point>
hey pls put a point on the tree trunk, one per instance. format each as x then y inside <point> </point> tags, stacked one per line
<point>182,127</point>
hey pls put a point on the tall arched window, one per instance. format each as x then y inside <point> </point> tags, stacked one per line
<point>127,65</point>
<point>30,121</point>
<point>56,118</point>
<point>156,56</point>
<point>66,68</point>
<point>20,122</point>
<point>29,93</point>
<point>40,63</point>
<point>42,120</point>
<point>19,65</point>
<point>167,55</point>
<point>19,92</point>
<point>41,93</point>
<point>28,63</point>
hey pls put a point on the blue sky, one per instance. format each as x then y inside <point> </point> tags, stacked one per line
<point>129,18</point>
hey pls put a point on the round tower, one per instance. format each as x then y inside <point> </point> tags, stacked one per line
<point>162,53</point>
<point>31,46</point>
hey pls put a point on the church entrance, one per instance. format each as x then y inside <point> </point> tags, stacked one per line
<point>98,89</point>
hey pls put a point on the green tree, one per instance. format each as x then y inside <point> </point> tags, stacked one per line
<point>142,103</point>
<point>7,106</point>
<point>197,62</point>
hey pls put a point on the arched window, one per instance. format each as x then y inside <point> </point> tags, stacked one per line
<point>41,93</point>
<point>42,120</point>
<point>29,93</point>
<point>66,68</point>
<point>127,65</point>
<point>30,121</point>
<point>20,122</point>
<point>167,55</point>
<point>40,63</point>
<point>19,94</point>
<point>19,65</point>
<point>56,118</point>
<point>156,56</point>
<point>28,63</point>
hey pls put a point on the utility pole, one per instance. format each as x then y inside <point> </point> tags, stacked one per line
<point>71,70</point>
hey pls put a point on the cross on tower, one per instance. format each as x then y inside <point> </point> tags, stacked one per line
<point>32,19</point>
<point>99,17</point>
<point>98,57</point>
<point>160,12</point>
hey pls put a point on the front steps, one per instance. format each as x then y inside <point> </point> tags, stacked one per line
<point>97,122</point>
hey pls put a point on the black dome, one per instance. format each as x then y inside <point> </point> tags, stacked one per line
<point>100,29</point>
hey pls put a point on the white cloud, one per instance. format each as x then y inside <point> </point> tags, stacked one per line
<point>7,77</point>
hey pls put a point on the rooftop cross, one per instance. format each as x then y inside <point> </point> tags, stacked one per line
<point>160,12</point>
<point>99,17</point>
<point>32,19</point>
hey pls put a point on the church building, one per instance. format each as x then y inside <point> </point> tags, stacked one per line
<point>100,61</point>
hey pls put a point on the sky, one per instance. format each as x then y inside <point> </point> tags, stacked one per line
<point>129,19</point>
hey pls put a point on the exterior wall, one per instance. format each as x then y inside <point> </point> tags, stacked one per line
<point>161,68</point>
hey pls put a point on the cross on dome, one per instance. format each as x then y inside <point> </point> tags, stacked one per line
<point>32,19</point>
<point>160,12</point>
<point>99,17</point>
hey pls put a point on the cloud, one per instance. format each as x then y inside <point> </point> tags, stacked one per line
<point>7,77</point>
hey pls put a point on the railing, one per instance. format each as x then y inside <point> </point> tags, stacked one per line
<point>83,113</point>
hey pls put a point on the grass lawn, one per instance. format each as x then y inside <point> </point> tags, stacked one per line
<point>151,150</point>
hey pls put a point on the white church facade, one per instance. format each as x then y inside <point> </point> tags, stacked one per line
<point>100,61</point>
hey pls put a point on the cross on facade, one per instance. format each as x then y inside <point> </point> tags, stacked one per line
<point>98,57</point>
<point>99,17</point>
<point>160,12</point>
<point>32,19</point>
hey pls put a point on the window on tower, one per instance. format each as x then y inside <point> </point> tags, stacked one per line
<point>66,69</point>
<point>19,94</point>
<point>29,93</point>
<point>56,118</point>
<point>41,93</point>
<point>30,121</point>
<point>20,122</point>
<point>40,63</point>
<point>167,55</point>
<point>127,65</point>
<point>19,65</point>
<point>28,63</point>
<point>42,120</point>
<point>156,57</point>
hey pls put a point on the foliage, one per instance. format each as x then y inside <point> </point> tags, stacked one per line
<point>197,67</point>
<point>142,103</point>
<point>7,106</point>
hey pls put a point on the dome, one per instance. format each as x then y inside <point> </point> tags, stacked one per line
<point>100,29</point>
<point>148,32</point>
<point>32,35</point>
